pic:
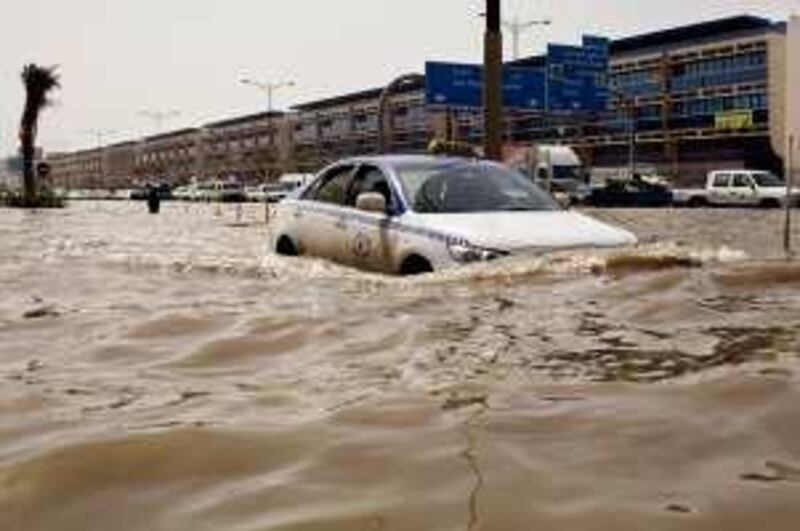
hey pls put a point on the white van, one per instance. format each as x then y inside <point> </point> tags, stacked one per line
<point>557,169</point>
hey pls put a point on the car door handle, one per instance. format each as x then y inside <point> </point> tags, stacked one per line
<point>341,223</point>
<point>298,214</point>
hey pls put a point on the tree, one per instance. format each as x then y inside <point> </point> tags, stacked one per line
<point>39,82</point>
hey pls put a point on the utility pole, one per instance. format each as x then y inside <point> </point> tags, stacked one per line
<point>492,82</point>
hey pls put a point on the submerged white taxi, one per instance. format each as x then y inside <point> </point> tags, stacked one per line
<point>416,214</point>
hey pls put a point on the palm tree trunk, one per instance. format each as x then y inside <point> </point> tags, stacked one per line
<point>28,173</point>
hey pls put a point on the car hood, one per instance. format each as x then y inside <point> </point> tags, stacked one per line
<point>514,231</point>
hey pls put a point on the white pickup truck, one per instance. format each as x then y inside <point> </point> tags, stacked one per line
<point>738,188</point>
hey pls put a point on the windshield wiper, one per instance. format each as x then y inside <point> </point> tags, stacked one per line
<point>516,209</point>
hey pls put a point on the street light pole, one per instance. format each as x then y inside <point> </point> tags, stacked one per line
<point>492,82</point>
<point>632,139</point>
<point>628,102</point>
<point>269,88</point>
<point>385,130</point>
<point>159,117</point>
<point>518,27</point>
<point>99,134</point>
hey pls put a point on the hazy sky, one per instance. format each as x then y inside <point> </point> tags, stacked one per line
<point>118,58</point>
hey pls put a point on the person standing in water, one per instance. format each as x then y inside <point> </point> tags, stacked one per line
<point>153,199</point>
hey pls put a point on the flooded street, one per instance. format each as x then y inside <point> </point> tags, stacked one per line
<point>170,373</point>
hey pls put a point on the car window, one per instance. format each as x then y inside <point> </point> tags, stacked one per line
<point>741,180</point>
<point>332,187</point>
<point>721,180</point>
<point>768,179</point>
<point>370,179</point>
<point>470,186</point>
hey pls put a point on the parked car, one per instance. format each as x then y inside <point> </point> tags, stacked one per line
<point>221,191</point>
<point>416,214</point>
<point>255,193</point>
<point>188,192</point>
<point>267,192</point>
<point>738,188</point>
<point>275,191</point>
<point>141,193</point>
<point>295,180</point>
<point>636,192</point>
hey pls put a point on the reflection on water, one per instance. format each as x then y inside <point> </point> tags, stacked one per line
<point>168,372</point>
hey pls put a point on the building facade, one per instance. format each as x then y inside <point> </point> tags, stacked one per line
<point>166,157</point>
<point>250,148</point>
<point>329,129</point>
<point>78,169</point>
<point>683,101</point>
<point>705,96</point>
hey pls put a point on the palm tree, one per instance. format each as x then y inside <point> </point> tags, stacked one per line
<point>38,81</point>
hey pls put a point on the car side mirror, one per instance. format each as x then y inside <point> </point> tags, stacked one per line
<point>371,202</point>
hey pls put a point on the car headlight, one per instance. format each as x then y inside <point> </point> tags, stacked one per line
<point>464,252</point>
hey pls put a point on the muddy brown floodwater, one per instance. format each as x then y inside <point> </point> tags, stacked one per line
<point>168,373</point>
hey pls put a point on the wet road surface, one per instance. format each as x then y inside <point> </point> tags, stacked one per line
<point>168,372</point>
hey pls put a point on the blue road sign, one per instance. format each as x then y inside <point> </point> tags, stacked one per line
<point>461,85</point>
<point>578,76</point>
<point>453,85</point>
<point>524,88</point>
<point>575,80</point>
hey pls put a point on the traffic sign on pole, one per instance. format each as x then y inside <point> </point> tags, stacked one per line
<point>574,80</point>
<point>461,85</point>
<point>578,76</point>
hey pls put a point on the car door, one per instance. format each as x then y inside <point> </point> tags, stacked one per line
<point>743,190</point>
<point>322,215</point>
<point>370,241</point>
<point>719,192</point>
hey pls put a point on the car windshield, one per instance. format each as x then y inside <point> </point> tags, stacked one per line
<point>767,180</point>
<point>469,186</point>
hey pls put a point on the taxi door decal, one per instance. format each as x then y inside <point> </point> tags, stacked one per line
<point>361,246</point>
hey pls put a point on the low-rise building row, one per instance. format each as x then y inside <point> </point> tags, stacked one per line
<point>684,101</point>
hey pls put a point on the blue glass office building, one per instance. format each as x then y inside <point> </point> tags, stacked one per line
<point>705,96</point>
<point>689,99</point>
